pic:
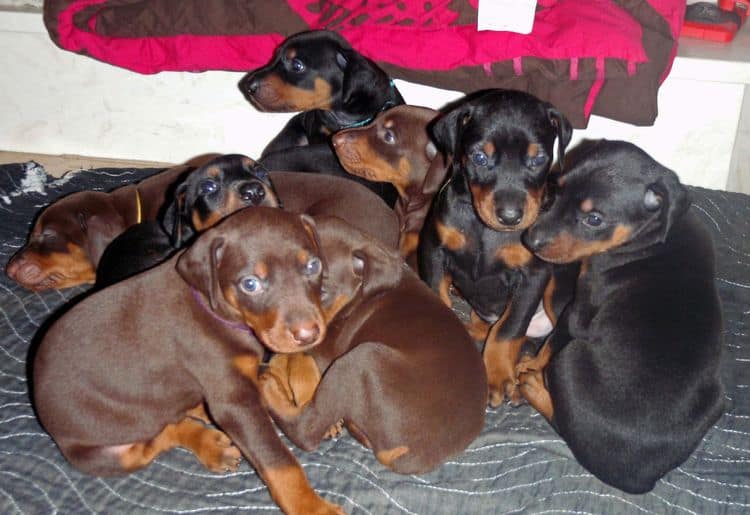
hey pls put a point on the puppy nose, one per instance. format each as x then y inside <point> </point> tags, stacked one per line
<point>532,241</point>
<point>306,333</point>
<point>251,85</point>
<point>252,192</point>
<point>510,215</point>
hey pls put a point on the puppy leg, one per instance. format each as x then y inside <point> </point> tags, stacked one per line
<point>478,329</point>
<point>297,375</point>
<point>212,447</point>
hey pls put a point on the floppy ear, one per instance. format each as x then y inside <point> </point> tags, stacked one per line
<point>100,230</point>
<point>564,132</point>
<point>381,269</point>
<point>199,267</point>
<point>361,80</point>
<point>446,129</point>
<point>176,219</point>
<point>435,176</point>
<point>669,196</point>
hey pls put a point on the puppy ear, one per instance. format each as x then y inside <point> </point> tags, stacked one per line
<point>668,196</point>
<point>361,79</point>
<point>564,131</point>
<point>176,219</point>
<point>380,268</point>
<point>199,267</point>
<point>100,230</point>
<point>446,129</point>
<point>435,176</point>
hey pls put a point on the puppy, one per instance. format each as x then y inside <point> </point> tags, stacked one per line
<point>319,73</point>
<point>116,375</point>
<point>396,148</point>
<point>398,367</point>
<point>630,374</point>
<point>208,194</point>
<point>499,146</point>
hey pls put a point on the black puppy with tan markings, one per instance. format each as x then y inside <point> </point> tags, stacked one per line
<point>630,376</point>
<point>116,377</point>
<point>319,73</point>
<point>499,145</point>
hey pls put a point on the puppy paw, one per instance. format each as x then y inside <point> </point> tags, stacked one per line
<point>532,388</point>
<point>217,453</point>
<point>275,395</point>
<point>335,430</point>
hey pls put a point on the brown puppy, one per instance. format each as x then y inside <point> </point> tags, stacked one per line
<point>396,148</point>
<point>115,376</point>
<point>398,367</point>
<point>70,235</point>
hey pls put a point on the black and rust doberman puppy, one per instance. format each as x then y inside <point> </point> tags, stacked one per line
<point>208,194</point>
<point>319,73</point>
<point>499,145</point>
<point>396,148</point>
<point>398,367</point>
<point>335,87</point>
<point>111,413</point>
<point>630,375</point>
<point>70,235</point>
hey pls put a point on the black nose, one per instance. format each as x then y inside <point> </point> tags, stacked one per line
<point>510,215</point>
<point>249,84</point>
<point>252,192</point>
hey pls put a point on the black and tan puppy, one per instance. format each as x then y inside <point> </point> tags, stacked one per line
<point>319,73</point>
<point>398,367</point>
<point>205,196</point>
<point>499,145</point>
<point>630,375</point>
<point>116,375</point>
<point>396,148</point>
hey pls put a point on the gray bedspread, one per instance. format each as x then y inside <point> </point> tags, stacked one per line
<point>517,465</point>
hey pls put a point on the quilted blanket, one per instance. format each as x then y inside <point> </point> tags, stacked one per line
<point>517,465</point>
<point>604,57</point>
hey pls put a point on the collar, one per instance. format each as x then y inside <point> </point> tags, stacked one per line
<point>229,323</point>
<point>138,207</point>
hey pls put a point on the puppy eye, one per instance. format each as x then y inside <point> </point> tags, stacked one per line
<point>537,160</point>
<point>479,158</point>
<point>297,65</point>
<point>592,219</point>
<point>251,284</point>
<point>207,186</point>
<point>313,266</point>
<point>389,137</point>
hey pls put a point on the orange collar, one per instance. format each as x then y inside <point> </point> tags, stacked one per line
<point>138,208</point>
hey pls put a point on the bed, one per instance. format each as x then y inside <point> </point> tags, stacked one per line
<point>517,465</point>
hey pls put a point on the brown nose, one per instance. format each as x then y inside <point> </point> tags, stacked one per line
<point>306,333</point>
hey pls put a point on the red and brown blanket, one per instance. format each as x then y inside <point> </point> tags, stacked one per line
<point>605,57</point>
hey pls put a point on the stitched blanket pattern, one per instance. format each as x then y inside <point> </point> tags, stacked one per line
<point>518,463</point>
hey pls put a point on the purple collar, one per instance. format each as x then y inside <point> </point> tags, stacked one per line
<point>229,323</point>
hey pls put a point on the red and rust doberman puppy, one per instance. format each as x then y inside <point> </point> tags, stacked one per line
<point>499,145</point>
<point>202,319</point>
<point>208,194</point>
<point>630,375</point>
<point>398,367</point>
<point>396,148</point>
<point>70,235</point>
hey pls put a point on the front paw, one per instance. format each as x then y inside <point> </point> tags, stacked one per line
<point>276,396</point>
<point>217,453</point>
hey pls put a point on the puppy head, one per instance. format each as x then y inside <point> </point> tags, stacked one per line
<point>501,143</point>
<point>357,265</point>
<point>262,266</point>
<point>614,195</point>
<point>394,148</point>
<point>66,242</point>
<point>220,187</point>
<point>315,70</point>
